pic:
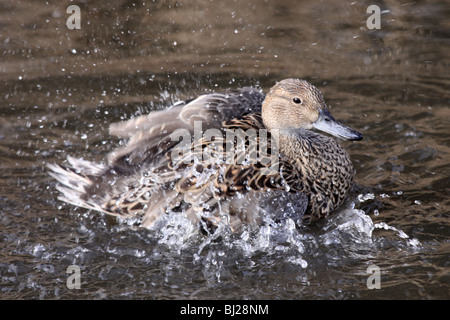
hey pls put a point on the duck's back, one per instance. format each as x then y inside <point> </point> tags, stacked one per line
<point>137,181</point>
<point>149,135</point>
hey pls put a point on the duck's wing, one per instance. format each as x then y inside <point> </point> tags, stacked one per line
<point>239,172</point>
<point>150,135</point>
<point>250,188</point>
<point>135,179</point>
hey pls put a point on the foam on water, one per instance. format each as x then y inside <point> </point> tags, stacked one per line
<point>349,233</point>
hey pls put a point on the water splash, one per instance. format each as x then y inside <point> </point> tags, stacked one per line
<point>349,227</point>
<point>414,243</point>
<point>348,234</point>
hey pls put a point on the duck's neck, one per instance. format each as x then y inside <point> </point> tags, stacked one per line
<point>295,143</point>
<point>312,154</point>
<point>321,168</point>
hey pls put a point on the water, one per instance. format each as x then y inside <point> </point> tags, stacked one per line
<point>60,90</point>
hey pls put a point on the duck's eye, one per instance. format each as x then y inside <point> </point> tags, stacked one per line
<point>297,100</point>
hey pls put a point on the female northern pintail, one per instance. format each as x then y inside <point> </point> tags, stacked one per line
<point>156,173</point>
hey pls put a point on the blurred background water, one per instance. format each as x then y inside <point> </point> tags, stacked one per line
<point>60,89</point>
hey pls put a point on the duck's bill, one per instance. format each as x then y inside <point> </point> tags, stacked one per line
<point>328,124</point>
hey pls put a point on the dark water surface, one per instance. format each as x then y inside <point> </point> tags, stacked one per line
<point>60,89</point>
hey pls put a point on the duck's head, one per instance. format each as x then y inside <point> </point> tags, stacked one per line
<point>297,104</point>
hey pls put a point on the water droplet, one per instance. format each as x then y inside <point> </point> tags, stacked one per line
<point>365,197</point>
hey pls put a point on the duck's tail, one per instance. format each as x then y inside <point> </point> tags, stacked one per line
<point>75,180</point>
<point>99,187</point>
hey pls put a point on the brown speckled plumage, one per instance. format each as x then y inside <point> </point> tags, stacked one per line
<point>143,180</point>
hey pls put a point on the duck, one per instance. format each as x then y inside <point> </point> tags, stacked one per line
<point>233,158</point>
